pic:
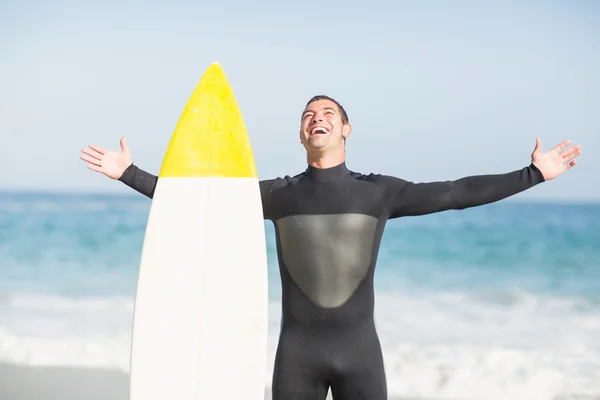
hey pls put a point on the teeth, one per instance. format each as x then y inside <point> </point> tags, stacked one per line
<point>322,130</point>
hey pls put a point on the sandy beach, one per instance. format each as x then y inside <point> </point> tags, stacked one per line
<point>67,383</point>
<point>61,383</point>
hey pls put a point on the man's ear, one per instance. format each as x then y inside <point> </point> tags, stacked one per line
<point>346,130</point>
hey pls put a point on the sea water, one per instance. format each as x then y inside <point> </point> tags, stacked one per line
<point>494,302</point>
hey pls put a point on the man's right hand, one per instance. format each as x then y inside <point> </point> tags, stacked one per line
<point>107,162</point>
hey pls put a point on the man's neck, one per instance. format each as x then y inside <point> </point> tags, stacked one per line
<point>324,160</point>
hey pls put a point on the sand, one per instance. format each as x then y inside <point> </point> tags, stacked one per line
<point>66,383</point>
<point>61,383</point>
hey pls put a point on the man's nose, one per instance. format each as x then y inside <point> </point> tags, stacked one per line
<point>317,118</point>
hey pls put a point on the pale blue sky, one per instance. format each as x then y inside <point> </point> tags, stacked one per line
<point>434,90</point>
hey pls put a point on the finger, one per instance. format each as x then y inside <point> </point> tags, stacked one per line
<point>567,152</point>
<point>570,165</point>
<point>92,153</point>
<point>124,143</point>
<point>95,168</point>
<point>99,149</point>
<point>572,155</point>
<point>538,145</point>
<point>91,160</point>
<point>561,146</point>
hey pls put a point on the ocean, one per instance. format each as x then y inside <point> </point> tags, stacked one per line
<point>494,302</point>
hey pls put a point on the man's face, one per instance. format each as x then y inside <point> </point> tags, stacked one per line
<point>322,126</point>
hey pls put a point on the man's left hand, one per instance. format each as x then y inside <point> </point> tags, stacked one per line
<point>557,160</point>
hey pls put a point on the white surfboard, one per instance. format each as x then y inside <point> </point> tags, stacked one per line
<point>201,306</point>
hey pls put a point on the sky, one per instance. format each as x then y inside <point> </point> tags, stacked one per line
<point>434,90</point>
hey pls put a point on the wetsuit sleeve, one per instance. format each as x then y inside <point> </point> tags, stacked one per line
<point>139,180</point>
<point>405,198</point>
<point>266,187</point>
<point>145,183</point>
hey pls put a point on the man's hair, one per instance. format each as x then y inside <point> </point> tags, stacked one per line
<point>324,97</point>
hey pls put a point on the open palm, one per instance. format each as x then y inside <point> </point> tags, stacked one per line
<point>555,161</point>
<point>108,162</point>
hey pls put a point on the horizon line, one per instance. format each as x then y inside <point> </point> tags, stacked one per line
<point>125,193</point>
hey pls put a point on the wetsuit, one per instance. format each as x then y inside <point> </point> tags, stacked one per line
<point>329,224</point>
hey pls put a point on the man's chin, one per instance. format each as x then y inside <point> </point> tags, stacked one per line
<point>318,140</point>
<point>317,146</point>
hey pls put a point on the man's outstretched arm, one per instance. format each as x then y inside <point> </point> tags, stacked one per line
<point>145,183</point>
<point>119,165</point>
<point>408,198</point>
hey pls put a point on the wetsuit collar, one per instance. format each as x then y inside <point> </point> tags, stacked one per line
<point>327,174</point>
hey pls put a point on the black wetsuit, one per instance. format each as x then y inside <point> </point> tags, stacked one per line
<point>329,224</point>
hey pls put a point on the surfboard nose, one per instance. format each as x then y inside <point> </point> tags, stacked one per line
<point>210,139</point>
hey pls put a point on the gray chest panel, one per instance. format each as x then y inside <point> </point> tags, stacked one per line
<point>327,255</point>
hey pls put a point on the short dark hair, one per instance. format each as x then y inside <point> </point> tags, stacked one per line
<point>324,97</point>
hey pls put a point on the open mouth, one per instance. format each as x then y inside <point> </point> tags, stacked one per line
<point>319,130</point>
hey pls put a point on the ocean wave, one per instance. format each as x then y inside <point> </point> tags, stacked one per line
<point>43,302</point>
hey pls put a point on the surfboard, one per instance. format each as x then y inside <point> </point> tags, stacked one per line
<point>201,304</point>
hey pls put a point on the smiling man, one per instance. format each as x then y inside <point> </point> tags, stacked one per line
<point>316,131</point>
<point>329,223</point>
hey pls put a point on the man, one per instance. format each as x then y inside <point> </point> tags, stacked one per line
<point>329,222</point>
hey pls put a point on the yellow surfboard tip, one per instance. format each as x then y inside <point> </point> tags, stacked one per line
<point>210,138</point>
